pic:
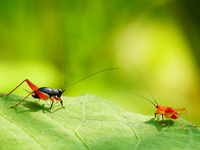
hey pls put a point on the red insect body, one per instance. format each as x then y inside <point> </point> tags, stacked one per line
<point>173,111</point>
<point>167,112</point>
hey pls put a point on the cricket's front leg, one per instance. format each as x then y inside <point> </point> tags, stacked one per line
<point>163,124</point>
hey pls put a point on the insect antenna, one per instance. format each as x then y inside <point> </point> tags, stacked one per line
<point>61,51</point>
<point>88,77</point>
<point>61,55</point>
<point>144,83</point>
<point>145,98</point>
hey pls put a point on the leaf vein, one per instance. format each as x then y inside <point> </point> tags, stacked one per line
<point>82,117</point>
<point>77,135</point>
<point>24,131</point>
<point>136,134</point>
<point>121,120</point>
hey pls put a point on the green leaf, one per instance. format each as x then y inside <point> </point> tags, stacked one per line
<point>87,122</point>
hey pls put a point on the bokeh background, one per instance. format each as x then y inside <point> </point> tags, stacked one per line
<point>160,37</point>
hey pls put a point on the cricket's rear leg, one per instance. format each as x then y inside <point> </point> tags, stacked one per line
<point>31,85</point>
<point>21,100</point>
<point>184,109</point>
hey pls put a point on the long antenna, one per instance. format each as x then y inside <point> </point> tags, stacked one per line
<point>145,98</point>
<point>143,81</point>
<point>61,55</point>
<point>88,77</point>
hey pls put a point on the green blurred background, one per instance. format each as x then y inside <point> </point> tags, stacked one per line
<point>161,38</point>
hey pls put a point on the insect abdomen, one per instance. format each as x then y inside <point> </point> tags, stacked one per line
<point>46,90</point>
<point>172,110</point>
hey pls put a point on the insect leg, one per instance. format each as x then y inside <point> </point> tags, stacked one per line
<point>182,124</point>
<point>32,86</point>
<point>21,100</point>
<point>155,116</point>
<point>162,121</point>
<point>177,117</point>
<point>184,109</point>
<point>61,102</point>
<point>51,104</point>
<point>29,92</point>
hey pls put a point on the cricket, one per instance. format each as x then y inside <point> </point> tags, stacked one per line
<point>46,93</point>
<point>167,112</point>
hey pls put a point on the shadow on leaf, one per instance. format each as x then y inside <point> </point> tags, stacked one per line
<point>157,123</point>
<point>35,107</point>
<point>32,106</point>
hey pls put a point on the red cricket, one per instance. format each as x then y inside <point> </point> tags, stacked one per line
<point>167,112</point>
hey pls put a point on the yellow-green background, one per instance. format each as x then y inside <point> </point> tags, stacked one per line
<point>161,38</point>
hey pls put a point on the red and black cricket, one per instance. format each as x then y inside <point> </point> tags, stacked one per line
<point>46,93</point>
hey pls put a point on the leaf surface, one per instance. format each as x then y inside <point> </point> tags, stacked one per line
<point>88,122</point>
